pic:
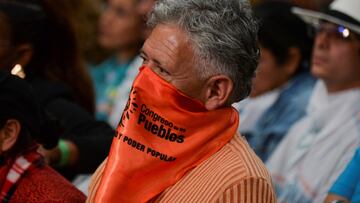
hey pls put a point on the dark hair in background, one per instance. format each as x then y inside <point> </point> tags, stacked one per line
<point>85,16</point>
<point>280,30</point>
<point>56,56</point>
<point>18,101</point>
<point>23,142</point>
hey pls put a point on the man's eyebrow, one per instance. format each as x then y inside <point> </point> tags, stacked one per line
<point>142,52</point>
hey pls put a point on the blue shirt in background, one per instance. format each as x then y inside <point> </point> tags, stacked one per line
<point>275,122</point>
<point>348,183</point>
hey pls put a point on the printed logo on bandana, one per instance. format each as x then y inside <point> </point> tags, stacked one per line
<point>164,133</point>
<point>159,126</point>
<point>131,107</point>
<point>151,122</point>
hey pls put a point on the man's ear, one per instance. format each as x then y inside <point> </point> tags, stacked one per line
<point>9,134</point>
<point>218,91</point>
<point>23,54</point>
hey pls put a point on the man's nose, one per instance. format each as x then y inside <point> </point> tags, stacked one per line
<point>322,40</point>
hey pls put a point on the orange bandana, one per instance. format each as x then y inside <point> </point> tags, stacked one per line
<point>162,135</point>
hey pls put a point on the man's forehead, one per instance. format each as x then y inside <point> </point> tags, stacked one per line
<point>171,37</point>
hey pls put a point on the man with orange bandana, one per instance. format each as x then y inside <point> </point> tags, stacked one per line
<point>176,140</point>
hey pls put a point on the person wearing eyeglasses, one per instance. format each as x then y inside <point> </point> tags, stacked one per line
<point>318,147</point>
<point>283,82</point>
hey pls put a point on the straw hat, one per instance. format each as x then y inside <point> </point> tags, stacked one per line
<point>340,12</point>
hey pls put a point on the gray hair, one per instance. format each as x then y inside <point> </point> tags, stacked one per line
<point>224,37</point>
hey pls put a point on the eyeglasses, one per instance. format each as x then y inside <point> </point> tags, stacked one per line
<point>334,31</point>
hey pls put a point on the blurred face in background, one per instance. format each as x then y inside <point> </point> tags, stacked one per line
<point>120,25</point>
<point>336,59</point>
<point>145,6</point>
<point>270,74</point>
<point>143,9</point>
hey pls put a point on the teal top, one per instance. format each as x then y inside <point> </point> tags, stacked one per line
<point>107,77</point>
<point>348,184</point>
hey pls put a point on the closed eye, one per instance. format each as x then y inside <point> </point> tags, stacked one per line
<point>154,64</point>
<point>144,58</point>
<point>161,70</point>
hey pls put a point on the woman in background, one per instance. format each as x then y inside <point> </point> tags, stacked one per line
<point>120,31</point>
<point>38,39</point>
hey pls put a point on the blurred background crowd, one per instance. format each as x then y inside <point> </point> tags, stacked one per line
<point>81,56</point>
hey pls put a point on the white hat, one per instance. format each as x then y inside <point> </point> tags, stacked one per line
<point>341,12</point>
